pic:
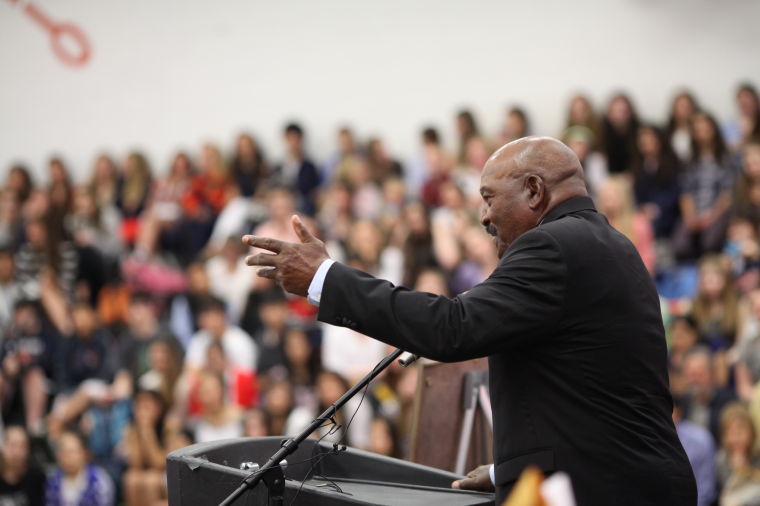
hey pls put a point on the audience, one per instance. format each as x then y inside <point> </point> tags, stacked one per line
<point>135,281</point>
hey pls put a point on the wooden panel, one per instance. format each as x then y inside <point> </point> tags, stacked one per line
<point>439,413</point>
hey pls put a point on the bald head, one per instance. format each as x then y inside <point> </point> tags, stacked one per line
<point>546,157</point>
<point>523,181</point>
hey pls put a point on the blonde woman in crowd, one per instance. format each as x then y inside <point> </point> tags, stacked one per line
<point>616,203</point>
<point>738,460</point>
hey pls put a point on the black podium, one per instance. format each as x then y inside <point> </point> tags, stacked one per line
<point>204,474</point>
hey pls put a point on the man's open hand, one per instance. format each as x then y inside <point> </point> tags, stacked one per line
<point>292,264</point>
<point>477,479</point>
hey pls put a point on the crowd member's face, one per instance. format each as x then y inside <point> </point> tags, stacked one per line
<point>649,144</point>
<point>580,111</point>
<point>752,161</point>
<point>159,356</point>
<point>255,425</point>
<point>36,234</point>
<point>297,347</point>
<point>505,212</point>
<point>180,166</point>
<point>580,147</point>
<point>72,457</point>
<point>37,204</point>
<point>130,166</point>
<point>683,335</point>
<point>26,320</point>
<point>377,150</point>
<point>451,195</point>
<point>281,205</point>
<point>7,268</point>
<point>85,321</point>
<point>416,219</point>
<point>9,205</point>
<point>737,436</point>
<point>619,112</point>
<point>104,169</point>
<point>57,172</point>
<point>279,399</point>
<point>245,146</point>
<point>329,389</point>
<point>380,438</point>
<point>84,203</point>
<point>140,314</point>
<point>216,362</point>
<point>698,374</point>
<point>345,142</point>
<point>477,151</point>
<point>747,103</point>
<point>147,408</point>
<point>611,199</point>
<point>293,141</point>
<point>273,314</point>
<point>211,394</point>
<point>214,322</point>
<point>515,125</point>
<point>711,282</point>
<point>683,108</point>
<point>197,279</point>
<point>394,191</point>
<point>366,241</point>
<point>15,448</point>
<point>704,133</point>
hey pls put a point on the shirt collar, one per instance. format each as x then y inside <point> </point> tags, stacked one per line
<point>569,206</point>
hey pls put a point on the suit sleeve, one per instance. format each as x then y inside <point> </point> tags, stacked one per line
<point>519,305</point>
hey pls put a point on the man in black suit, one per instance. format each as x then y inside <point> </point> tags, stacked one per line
<point>569,320</point>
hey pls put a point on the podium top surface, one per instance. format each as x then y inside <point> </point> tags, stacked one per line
<point>207,473</point>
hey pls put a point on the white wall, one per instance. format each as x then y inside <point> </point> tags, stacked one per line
<point>170,74</point>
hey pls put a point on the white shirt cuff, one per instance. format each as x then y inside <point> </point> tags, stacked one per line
<point>492,473</point>
<point>318,281</point>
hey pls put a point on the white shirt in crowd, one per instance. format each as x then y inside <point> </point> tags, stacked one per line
<point>239,348</point>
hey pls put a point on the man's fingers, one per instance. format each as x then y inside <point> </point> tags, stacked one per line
<point>261,259</point>
<point>463,484</point>
<point>266,243</point>
<point>267,272</point>
<point>301,231</point>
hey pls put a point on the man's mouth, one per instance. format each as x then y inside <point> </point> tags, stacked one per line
<point>491,230</point>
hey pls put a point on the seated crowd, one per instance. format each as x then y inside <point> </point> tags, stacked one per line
<point>130,325</point>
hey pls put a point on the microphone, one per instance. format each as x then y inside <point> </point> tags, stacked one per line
<point>406,359</point>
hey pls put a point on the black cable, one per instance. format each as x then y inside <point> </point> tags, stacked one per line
<point>336,446</point>
<point>254,473</point>
<point>319,457</point>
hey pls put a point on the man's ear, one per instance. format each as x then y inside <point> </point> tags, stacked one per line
<point>536,189</point>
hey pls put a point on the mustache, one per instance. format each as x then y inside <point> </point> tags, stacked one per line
<point>491,230</point>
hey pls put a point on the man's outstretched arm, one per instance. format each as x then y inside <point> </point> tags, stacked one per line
<point>519,303</point>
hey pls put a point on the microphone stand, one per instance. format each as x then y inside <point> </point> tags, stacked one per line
<point>271,472</point>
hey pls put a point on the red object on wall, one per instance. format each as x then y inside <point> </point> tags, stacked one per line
<point>69,43</point>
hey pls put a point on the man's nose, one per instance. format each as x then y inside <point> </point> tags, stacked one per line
<point>484,219</point>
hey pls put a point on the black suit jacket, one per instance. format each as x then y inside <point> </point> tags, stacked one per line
<point>570,321</point>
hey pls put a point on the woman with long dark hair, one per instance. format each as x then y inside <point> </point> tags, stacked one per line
<point>249,168</point>
<point>619,128</point>
<point>706,191</point>
<point>655,180</point>
<point>145,451</point>
<point>467,128</point>
<point>678,131</point>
